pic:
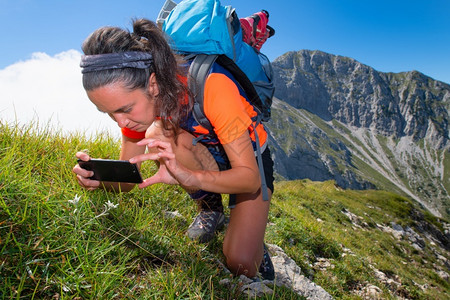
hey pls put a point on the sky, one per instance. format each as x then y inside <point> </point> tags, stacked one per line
<point>41,41</point>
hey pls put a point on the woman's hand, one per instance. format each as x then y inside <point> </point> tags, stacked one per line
<point>170,170</point>
<point>83,175</point>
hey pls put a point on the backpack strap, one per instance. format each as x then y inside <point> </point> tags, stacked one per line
<point>242,79</point>
<point>264,188</point>
<point>198,72</point>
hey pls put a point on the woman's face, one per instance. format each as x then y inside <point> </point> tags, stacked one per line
<point>133,109</point>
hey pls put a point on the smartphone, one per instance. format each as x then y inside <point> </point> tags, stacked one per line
<point>112,170</point>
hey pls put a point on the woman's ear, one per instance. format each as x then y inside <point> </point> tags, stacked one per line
<point>153,87</point>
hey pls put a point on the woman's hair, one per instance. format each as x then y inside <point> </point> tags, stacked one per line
<point>147,37</point>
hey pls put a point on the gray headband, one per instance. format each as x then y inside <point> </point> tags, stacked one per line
<point>109,61</point>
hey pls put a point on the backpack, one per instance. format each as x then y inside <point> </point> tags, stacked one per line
<point>207,27</point>
<point>206,32</point>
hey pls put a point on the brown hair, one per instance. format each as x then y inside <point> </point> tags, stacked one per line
<point>147,37</point>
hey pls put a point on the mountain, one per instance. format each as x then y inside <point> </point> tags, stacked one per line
<point>336,118</point>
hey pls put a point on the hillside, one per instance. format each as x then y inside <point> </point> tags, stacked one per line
<point>362,128</point>
<point>58,241</point>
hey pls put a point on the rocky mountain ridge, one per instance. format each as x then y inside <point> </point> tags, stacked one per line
<point>340,119</point>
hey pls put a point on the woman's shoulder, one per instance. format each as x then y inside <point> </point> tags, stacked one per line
<point>221,95</point>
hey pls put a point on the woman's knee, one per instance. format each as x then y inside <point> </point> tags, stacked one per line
<point>242,263</point>
<point>156,131</point>
<point>199,151</point>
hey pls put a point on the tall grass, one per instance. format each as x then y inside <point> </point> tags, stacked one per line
<point>58,241</point>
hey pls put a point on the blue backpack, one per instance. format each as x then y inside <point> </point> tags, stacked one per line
<point>206,27</point>
<point>206,32</point>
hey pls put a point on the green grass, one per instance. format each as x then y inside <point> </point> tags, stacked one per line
<point>318,228</point>
<point>54,246</point>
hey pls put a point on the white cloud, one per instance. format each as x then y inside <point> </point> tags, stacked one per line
<point>48,89</point>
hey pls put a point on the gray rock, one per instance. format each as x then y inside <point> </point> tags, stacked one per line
<point>369,292</point>
<point>288,273</point>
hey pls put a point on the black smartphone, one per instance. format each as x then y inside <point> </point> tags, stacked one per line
<point>112,170</point>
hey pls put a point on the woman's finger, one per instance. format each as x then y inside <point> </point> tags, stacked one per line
<point>149,181</point>
<point>154,143</point>
<point>87,183</point>
<point>166,154</point>
<point>144,157</point>
<point>82,172</point>
<point>83,156</point>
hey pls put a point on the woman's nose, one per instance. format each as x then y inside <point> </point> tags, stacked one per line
<point>121,120</point>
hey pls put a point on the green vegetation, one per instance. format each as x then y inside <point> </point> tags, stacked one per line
<point>309,223</point>
<point>59,241</point>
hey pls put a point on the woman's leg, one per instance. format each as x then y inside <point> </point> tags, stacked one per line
<point>243,243</point>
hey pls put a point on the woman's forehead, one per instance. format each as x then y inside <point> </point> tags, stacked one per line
<point>111,97</point>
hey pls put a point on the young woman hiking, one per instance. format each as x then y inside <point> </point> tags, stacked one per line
<point>136,79</point>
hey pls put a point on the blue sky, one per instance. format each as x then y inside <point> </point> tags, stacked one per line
<point>391,36</point>
<point>40,78</point>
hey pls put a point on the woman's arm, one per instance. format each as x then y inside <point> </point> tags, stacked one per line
<point>243,177</point>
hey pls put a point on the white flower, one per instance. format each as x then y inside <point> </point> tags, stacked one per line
<point>75,200</point>
<point>109,205</point>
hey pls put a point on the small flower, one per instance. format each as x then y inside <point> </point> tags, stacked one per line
<point>75,200</point>
<point>109,205</point>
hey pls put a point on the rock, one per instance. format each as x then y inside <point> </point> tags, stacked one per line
<point>357,221</point>
<point>256,289</point>
<point>226,282</point>
<point>414,238</point>
<point>288,273</point>
<point>397,230</point>
<point>369,292</point>
<point>249,286</point>
<point>444,275</point>
<point>392,283</point>
<point>323,264</point>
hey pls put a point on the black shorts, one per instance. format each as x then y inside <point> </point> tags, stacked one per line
<point>268,168</point>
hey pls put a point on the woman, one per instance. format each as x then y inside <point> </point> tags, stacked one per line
<point>136,79</point>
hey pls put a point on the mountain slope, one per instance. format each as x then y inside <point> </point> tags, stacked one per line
<point>361,242</point>
<point>59,241</point>
<point>363,128</point>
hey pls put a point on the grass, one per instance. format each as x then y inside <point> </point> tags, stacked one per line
<point>319,229</point>
<point>58,241</point>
